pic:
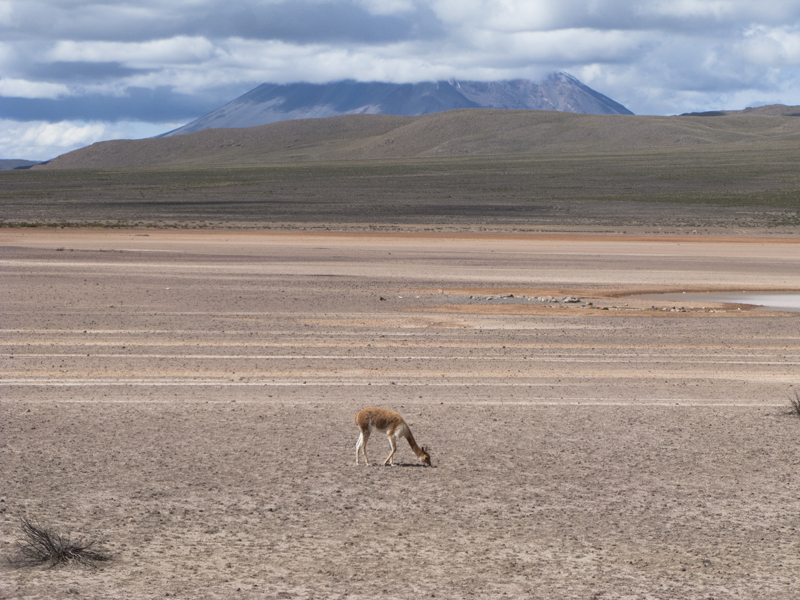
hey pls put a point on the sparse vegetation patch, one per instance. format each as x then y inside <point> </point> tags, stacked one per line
<point>795,404</point>
<point>41,544</point>
<point>669,188</point>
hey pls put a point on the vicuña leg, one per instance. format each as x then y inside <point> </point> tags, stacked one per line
<point>361,445</point>
<point>393,444</point>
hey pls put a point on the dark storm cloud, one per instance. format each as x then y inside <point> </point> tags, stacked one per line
<point>298,21</point>
<point>138,104</point>
<point>304,23</point>
<point>81,72</point>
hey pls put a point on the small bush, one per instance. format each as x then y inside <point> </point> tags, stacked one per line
<point>44,545</point>
<point>795,404</point>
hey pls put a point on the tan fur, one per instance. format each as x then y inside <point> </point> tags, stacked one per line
<point>390,423</point>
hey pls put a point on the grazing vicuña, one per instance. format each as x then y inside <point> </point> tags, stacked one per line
<point>390,423</point>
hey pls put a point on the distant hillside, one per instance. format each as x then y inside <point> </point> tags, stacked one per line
<point>455,133</point>
<point>7,164</point>
<point>270,103</point>
<point>771,110</point>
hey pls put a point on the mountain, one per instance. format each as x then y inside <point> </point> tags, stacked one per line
<point>8,164</point>
<point>270,103</point>
<point>468,132</point>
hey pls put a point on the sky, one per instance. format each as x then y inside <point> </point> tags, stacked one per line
<point>76,72</point>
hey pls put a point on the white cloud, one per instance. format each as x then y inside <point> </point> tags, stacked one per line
<point>741,11</point>
<point>717,9</point>
<point>62,134</point>
<point>565,46</point>
<point>178,50</point>
<point>6,12</point>
<point>488,55</point>
<point>21,88</point>
<point>42,141</point>
<point>39,140</point>
<point>524,16</point>
<point>776,46</point>
<point>386,7</point>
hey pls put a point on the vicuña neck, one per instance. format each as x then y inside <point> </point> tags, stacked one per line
<point>411,442</point>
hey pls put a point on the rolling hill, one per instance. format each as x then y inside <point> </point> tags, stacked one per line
<point>467,132</point>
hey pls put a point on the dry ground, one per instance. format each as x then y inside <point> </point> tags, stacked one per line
<point>189,396</point>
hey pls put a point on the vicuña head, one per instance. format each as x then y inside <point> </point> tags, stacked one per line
<point>390,423</point>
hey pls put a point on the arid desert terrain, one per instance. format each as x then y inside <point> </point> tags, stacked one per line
<point>188,397</point>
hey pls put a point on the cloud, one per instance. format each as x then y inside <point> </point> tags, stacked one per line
<point>772,46</point>
<point>82,73</point>
<point>730,11</point>
<point>20,88</point>
<point>304,21</point>
<point>5,12</point>
<point>156,105</point>
<point>386,7</point>
<point>38,140</point>
<point>181,50</point>
<point>565,46</point>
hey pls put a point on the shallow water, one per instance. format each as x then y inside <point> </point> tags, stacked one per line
<point>764,300</point>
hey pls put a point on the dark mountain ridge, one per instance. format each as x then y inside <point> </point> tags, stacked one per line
<point>9,164</point>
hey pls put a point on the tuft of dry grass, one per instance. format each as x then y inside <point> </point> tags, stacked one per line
<point>795,404</point>
<point>42,544</point>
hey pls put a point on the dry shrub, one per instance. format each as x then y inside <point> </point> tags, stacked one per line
<point>41,544</point>
<point>795,404</point>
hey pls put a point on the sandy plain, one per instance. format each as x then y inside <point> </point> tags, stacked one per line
<point>188,396</point>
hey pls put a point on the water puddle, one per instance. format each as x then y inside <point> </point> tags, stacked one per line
<point>789,301</point>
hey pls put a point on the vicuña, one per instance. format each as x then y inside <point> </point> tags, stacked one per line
<point>390,423</point>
